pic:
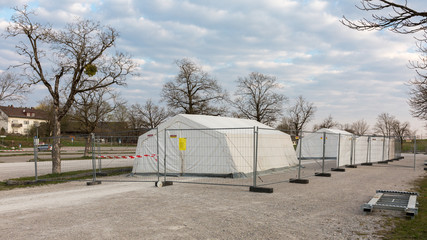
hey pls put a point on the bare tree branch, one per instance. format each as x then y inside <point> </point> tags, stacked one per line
<point>12,88</point>
<point>397,17</point>
<point>300,113</point>
<point>193,91</point>
<point>149,115</point>
<point>59,58</point>
<point>257,100</point>
<point>326,123</point>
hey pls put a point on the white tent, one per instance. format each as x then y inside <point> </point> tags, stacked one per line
<point>312,144</point>
<point>198,144</point>
<point>365,149</point>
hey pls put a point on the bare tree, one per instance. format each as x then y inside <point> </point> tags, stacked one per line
<point>149,115</point>
<point>12,88</point>
<point>120,112</point>
<point>401,130</point>
<point>286,125</point>
<point>418,94</point>
<point>326,123</point>
<point>397,17</point>
<point>90,108</point>
<point>360,127</point>
<point>256,99</point>
<point>347,127</point>
<point>67,62</point>
<point>193,91</point>
<point>384,124</point>
<point>300,113</point>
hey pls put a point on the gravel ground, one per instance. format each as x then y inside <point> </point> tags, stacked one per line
<point>326,208</point>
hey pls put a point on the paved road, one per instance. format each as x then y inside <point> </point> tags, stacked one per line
<point>25,169</point>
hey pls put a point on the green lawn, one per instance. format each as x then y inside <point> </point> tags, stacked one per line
<point>406,228</point>
<point>60,178</point>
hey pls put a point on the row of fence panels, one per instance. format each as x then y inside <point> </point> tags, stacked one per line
<point>238,156</point>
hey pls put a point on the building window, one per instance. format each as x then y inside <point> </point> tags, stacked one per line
<point>26,122</point>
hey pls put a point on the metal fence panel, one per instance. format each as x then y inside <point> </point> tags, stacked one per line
<point>71,154</point>
<point>131,158</point>
<point>215,156</point>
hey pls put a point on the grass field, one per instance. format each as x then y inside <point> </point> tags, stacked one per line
<point>411,228</point>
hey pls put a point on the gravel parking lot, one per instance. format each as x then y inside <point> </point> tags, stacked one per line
<point>326,208</point>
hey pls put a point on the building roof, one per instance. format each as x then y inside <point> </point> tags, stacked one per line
<point>24,112</point>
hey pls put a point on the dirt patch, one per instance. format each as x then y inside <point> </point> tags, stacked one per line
<point>326,208</point>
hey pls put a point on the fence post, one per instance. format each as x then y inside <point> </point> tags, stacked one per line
<point>255,157</point>
<point>352,150</point>
<point>383,149</point>
<point>388,148</point>
<point>36,143</point>
<point>94,181</point>
<point>99,154</point>
<point>415,151</point>
<point>339,150</point>
<point>157,155</point>
<point>368,150</point>
<point>254,188</point>
<point>323,154</point>
<point>338,169</point>
<point>299,155</point>
<point>164,160</point>
<point>323,174</point>
<point>299,180</point>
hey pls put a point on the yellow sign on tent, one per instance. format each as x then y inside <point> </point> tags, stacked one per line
<point>182,144</point>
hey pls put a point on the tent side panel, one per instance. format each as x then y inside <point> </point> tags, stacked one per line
<point>361,150</point>
<point>345,150</point>
<point>275,150</point>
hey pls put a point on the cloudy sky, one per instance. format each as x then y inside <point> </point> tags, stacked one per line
<point>347,74</point>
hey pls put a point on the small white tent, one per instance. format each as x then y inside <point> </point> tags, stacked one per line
<point>312,144</point>
<point>199,144</point>
<point>365,149</point>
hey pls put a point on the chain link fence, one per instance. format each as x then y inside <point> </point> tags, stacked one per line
<point>251,157</point>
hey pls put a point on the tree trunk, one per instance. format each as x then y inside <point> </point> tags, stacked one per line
<point>56,151</point>
<point>87,145</point>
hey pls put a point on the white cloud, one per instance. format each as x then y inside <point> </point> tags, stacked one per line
<point>348,74</point>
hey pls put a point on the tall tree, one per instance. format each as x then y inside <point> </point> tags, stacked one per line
<point>326,123</point>
<point>360,127</point>
<point>418,93</point>
<point>193,91</point>
<point>67,62</point>
<point>256,98</point>
<point>286,125</point>
<point>401,130</point>
<point>384,124</point>
<point>12,88</point>
<point>90,108</point>
<point>300,113</point>
<point>149,115</point>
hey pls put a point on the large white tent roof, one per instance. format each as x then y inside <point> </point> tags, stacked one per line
<point>203,121</point>
<point>335,131</point>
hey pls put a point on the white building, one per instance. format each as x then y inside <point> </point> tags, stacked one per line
<point>19,120</point>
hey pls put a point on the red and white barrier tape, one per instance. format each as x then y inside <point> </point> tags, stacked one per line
<point>18,150</point>
<point>126,157</point>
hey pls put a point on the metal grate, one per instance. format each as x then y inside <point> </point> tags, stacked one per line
<point>393,200</point>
